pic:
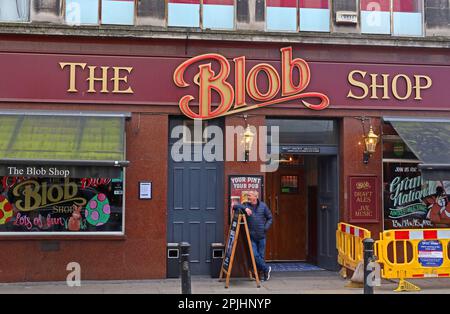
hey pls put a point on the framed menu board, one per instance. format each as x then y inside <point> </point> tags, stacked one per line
<point>240,185</point>
<point>363,199</point>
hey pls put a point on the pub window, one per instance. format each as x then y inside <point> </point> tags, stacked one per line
<point>80,12</point>
<point>408,17</point>
<point>184,13</point>
<point>14,10</point>
<point>119,12</point>
<point>314,15</point>
<point>281,15</point>
<point>375,17</point>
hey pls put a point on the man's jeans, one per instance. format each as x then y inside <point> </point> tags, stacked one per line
<point>259,249</point>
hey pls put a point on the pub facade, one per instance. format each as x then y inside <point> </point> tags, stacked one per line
<point>114,146</point>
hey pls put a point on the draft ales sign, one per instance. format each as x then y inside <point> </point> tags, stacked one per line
<point>233,99</point>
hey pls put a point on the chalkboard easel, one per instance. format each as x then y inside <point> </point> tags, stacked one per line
<point>239,220</point>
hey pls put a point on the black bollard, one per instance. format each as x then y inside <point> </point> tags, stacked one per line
<point>185,269</point>
<point>368,257</point>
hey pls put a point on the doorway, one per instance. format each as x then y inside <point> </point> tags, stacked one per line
<point>303,194</point>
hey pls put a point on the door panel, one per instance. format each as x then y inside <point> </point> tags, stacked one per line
<point>195,204</point>
<point>287,239</point>
<point>327,212</point>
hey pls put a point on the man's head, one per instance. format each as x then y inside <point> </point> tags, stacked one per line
<point>253,197</point>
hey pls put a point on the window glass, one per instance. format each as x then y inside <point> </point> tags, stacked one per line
<point>218,14</point>
<point>408,17</point>
<point>118,12</point>
<point>375,17</point>
<point>184,13</point>
<point>14,10</point>
<point>42,204</point>
<point>81,12</point>
<point>306,131</point>
<point>281,15</point>
<point>314,15</point>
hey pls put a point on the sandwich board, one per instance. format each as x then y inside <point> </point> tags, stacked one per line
<point>239,220</point>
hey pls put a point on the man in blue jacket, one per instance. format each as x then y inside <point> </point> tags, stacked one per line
<point>259,221</point>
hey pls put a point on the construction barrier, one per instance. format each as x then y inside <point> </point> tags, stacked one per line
<point>412,253</point>
<point>350,246</point>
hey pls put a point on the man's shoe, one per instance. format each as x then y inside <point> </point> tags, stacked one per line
<point>267,274</point>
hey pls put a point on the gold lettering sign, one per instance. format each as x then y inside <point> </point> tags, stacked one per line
<point>379,85</point>
<point>101,75</point>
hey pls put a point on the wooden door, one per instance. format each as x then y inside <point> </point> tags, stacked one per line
<point>287,239</point>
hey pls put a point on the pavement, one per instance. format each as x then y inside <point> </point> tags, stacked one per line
<point>311,282</point>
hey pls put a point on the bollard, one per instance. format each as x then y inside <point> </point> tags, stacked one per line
<point>368,257</point>
<point>185,269</point>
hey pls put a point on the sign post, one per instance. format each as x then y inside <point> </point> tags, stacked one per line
<point>239,220</point>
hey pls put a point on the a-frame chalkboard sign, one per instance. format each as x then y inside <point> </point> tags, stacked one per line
<point>239,220</point>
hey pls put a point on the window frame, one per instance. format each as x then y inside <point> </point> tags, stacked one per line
<point>20,21</point>
<point>99,20</point>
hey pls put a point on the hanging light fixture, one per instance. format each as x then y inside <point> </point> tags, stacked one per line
<point>247,139</point>
<point>370,141</point>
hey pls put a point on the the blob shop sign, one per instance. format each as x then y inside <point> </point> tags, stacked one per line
<point>61,205</point>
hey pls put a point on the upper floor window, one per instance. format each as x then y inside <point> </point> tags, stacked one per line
<point>293,15</point>
<point>14,10</point>
<point>406,17</point>
<point>79,12</point>
<point>118,12</point>
<point>314,15</point>
<point>216,14</point>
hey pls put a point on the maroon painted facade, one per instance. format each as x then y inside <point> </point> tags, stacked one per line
<point>33,80</point>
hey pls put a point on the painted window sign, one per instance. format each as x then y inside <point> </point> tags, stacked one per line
<point>184,13</point>
<point>411,202</point>
<point>430,253</point>
<point>36,205</point>
<point>119,12</point>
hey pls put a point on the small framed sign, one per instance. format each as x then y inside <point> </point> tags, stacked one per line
<point>363,201</point>
<point>145,190</point>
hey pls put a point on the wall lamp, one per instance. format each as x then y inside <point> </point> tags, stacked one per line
<point>370,141</point>
<point>247,139</point>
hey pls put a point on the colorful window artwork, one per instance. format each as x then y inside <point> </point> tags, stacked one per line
<point>68,205</point>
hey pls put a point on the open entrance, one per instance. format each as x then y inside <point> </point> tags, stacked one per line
<point>303,194</point>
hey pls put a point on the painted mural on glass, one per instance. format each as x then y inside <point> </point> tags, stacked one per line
<point>411,202</point>
<point>30,204</point>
